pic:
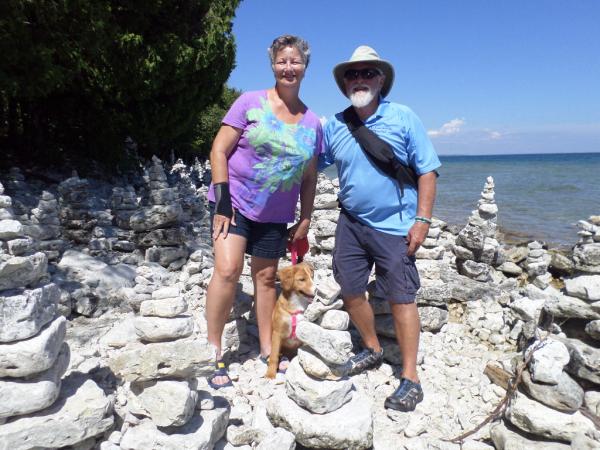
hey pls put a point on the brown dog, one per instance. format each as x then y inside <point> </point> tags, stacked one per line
<point>297,292</point>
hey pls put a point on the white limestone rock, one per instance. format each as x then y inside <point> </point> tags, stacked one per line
<point>165,307</point>
<point>335,320</point>
<point>201,432</point>
<point>121,334</point>
<point>34,355</point>
<point>565,307</point>
<point>318,396</point>
<point>10,229</point>
<point>181,359</point>
<point>167,402</point>
<point>315,367</point>
<point>82,411</point>
<point>94,272</point>
<point>547,362</point>
<point>24,312</point>
<point>160,216</point>
<point>325,430</point>
<point>328,290</point>
<point>333,346</point>
<point>169,292</point>
<point>593,329</point>
<point>28,395</point>
<point>564,395</point>
<point>532,417</point>
<point>506,439</point>
<point>158,329</point>
<point>586,287</point>
<point>584,359</point>
<point>280,439</point>
<point>21,271</point>
<point>317,308</point>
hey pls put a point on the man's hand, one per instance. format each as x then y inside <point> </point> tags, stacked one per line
<point>416,236</point>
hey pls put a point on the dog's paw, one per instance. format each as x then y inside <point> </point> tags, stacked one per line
<point>270,374</point>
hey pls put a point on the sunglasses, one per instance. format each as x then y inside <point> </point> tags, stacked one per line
<point>365,74</point>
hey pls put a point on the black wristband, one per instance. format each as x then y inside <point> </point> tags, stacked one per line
<point>223,200</point>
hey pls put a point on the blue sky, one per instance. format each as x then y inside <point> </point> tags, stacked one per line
<point>486,77</point>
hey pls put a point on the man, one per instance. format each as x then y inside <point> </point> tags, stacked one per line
<point>380,223</point>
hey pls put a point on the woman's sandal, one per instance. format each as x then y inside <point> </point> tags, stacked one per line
<point>220,371</point>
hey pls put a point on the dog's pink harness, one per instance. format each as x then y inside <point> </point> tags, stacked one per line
<point>294,323</point>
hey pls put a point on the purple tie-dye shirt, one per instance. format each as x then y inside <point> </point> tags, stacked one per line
<point>266,166</point>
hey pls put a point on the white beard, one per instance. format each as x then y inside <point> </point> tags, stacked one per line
<point>361,98</point>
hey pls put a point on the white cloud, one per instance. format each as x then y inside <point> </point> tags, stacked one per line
<point>494,135</point>
<point>448,129</point>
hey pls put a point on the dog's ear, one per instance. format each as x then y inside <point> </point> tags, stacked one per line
<point>286,278</point>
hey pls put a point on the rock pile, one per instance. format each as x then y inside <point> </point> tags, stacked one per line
<point>45,226</point>
<point>157,225</point>
<point>76,217</point>
<point>586,253</point>
<point>321,236</point>
<point>318,397</point>
<point>536,265</point>
<point>476,247</point>
<point>34,357</point>
<point>160,371</point>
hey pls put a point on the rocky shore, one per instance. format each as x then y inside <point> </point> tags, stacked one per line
<point>103,335</point>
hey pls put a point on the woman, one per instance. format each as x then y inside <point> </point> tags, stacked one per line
<point>263,157</point>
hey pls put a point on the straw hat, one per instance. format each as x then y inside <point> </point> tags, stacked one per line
<point>365,54</point>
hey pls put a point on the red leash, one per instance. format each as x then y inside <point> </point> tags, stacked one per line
<point>298,249</point>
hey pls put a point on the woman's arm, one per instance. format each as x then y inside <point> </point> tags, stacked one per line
<point>223,145</point>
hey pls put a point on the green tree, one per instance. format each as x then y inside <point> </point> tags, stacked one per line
<point>79,76</point>
<point>209,122</point>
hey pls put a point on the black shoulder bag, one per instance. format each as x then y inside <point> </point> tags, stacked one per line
<point>379,151</point>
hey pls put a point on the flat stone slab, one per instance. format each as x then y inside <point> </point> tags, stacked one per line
<point>21,271</point>
<point>82,411</point>
<point>34,355</point>
<point>318,396</point>
<point>24,312</point>
<point>166,307</point>
<point>157,329</point>
<point>24,396</point>
<point>200,433</point>
<point>350,427</point>
<point>181,359</point>
<point>167,402</point>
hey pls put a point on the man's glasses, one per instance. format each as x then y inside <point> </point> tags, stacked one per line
<point>365,74</point>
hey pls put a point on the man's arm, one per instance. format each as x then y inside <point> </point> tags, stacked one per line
<point>426,198</point>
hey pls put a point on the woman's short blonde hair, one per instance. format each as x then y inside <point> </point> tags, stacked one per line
<point>288,40</point>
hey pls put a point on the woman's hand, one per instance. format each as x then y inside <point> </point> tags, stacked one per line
<point>221,225</point>
<point>299,230</point>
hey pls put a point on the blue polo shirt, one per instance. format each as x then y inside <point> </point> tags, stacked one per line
<point>367,193</point>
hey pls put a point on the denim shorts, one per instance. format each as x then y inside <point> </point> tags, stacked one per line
<point>358,247</point>
<point>264,240</point>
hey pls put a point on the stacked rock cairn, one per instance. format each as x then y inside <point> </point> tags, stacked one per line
<point>45,226</point>
<point>477,247</point>
<point>76,217</point>
<point>157,225</point>
<point>318,396</point>
<point>34,412</point>
<point>159,401</point>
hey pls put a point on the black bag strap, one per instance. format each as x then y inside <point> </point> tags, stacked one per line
<point>379,151</point>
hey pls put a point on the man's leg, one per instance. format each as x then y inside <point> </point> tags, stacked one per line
<point>362,317</point>
<point>407,326</point>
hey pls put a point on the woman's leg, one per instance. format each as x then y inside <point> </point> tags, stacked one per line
<point>229,263</point>
<point>264,274</point>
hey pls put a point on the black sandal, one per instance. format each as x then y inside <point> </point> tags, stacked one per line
<point>220,371</point>
<point>406,397</point>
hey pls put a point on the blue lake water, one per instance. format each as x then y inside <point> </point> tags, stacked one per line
<point>539,196</point>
